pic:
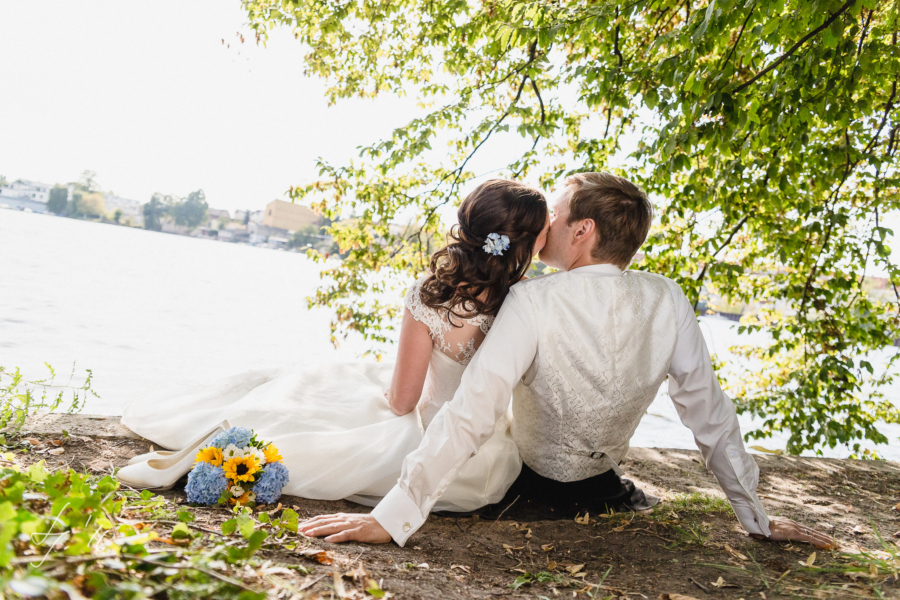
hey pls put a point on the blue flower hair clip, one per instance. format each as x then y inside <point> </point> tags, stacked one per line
<point>495,244</point>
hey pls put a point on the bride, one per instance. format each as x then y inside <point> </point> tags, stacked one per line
<point>344,429</point>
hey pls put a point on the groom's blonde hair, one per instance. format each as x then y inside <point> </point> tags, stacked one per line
<point>620,210</point>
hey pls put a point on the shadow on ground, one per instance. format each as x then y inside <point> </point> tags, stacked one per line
<point>690,544</point>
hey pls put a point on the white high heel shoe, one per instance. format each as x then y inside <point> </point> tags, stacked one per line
<point>162,473</point>
<point>145,457</point>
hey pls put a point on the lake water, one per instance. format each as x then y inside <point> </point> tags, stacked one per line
<point>146,310</point>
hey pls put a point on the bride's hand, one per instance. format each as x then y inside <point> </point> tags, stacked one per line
<point>346,527</point>
<point>782,529</point>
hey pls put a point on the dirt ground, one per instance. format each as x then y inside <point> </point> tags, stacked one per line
<point>689,545</point>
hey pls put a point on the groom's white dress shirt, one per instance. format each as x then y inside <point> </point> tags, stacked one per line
<point>583,354</point>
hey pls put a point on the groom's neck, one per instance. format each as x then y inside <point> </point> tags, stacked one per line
<point>583,261</point>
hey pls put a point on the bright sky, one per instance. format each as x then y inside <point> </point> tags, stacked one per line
<point>147,96</point>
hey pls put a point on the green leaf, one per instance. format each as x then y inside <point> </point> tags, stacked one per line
<point>185,516</point>
<point>290,520</point>
<point>181,531</point>
<point>256,540</point>
<point>245,525</point>
<point>229,526</point>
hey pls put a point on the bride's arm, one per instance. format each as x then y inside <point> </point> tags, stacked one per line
<point>413,355</point>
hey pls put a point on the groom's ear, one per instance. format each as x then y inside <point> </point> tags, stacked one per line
<point>584,231</point>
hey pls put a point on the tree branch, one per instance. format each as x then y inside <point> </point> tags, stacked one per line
<point>862,36</point>
<point>702,274</point>
<point>532,51</point>
<point>794,48</point>
<point>740,35</point>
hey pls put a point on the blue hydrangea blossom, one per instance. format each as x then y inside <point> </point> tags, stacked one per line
<point>268,486</point>
<point>205,484</point>
<point>239,436</point>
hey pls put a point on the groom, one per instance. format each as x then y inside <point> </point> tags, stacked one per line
<point>583,353</point>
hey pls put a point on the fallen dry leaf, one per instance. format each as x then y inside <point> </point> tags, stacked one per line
<point>809,561</point>
<point>462,568</point>
<point>56,451</point>
<point>734,553</point>
<point>58,442</point>
<point>675,597</point>
<point>323,556</point>
<point>339,585</point>
<point>721,583</point>
<point>509,548</point>
<point>858,530</point>
<point>277,571</point>
<point>551,565</point>
<point>548,547</point>
<point>586,519</point>
<point>171,542</point>
<point>572,569</point>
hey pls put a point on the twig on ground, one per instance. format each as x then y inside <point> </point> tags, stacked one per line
<point>699,585</point>
<point>191,525</point>
<point>503,512</point>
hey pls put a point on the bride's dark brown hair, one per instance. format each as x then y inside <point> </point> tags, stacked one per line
<point>467,280</point>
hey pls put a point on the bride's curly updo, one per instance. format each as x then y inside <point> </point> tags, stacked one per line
<point>467,280</point>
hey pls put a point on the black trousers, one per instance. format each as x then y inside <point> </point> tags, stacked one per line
<point>534,497</point>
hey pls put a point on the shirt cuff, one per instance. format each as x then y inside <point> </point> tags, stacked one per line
<point>752,519</point>
<point>399,515</point>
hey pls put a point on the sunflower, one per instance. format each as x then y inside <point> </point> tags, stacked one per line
<point>271,453</point>
<point>241,468</point>
<point>210,454</point>
<point>247,497</point>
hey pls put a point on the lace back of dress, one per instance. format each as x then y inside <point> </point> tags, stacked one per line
<point>458,339</point>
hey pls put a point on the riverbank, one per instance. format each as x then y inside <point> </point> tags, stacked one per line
<point>690,544</point>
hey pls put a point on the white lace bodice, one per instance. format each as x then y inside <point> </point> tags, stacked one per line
<point>455,343</point>
<point>457,339</point>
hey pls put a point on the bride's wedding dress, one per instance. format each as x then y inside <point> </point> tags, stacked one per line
<point>333,424</point>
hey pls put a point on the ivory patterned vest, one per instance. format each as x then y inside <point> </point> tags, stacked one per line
<point>604,347</point>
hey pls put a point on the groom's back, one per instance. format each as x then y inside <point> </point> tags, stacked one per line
<point>605,341</point>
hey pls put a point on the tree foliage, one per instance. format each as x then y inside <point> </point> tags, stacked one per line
<point>191,212</point>
<point>154,212</point>
<point>58,199</point>
<point>765,130</point>
<point>89,204</point>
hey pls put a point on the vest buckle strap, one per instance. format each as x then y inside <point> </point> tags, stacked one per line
<point>602,455</point>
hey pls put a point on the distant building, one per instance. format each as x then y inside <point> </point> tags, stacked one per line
<point>288,216</point>
<point>257,216</point>
<point>28,190</point>
<point>260,234</point>
<point>216,213</point>
<point>240,215</point>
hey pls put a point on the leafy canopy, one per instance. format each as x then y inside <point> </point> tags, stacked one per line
<point>766,132</point>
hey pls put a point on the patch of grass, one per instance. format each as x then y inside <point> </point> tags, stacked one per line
<point>542,577</point>
<point>871,568</point>
<point>696,502</point>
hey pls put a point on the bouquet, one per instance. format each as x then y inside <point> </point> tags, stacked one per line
<point>237,468</point>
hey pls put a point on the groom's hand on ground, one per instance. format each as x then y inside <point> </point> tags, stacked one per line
<point>346,527</point>
<point>782,529</point>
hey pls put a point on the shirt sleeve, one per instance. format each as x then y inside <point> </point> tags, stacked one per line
<point>466,422</point>
<point>710,415</point>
